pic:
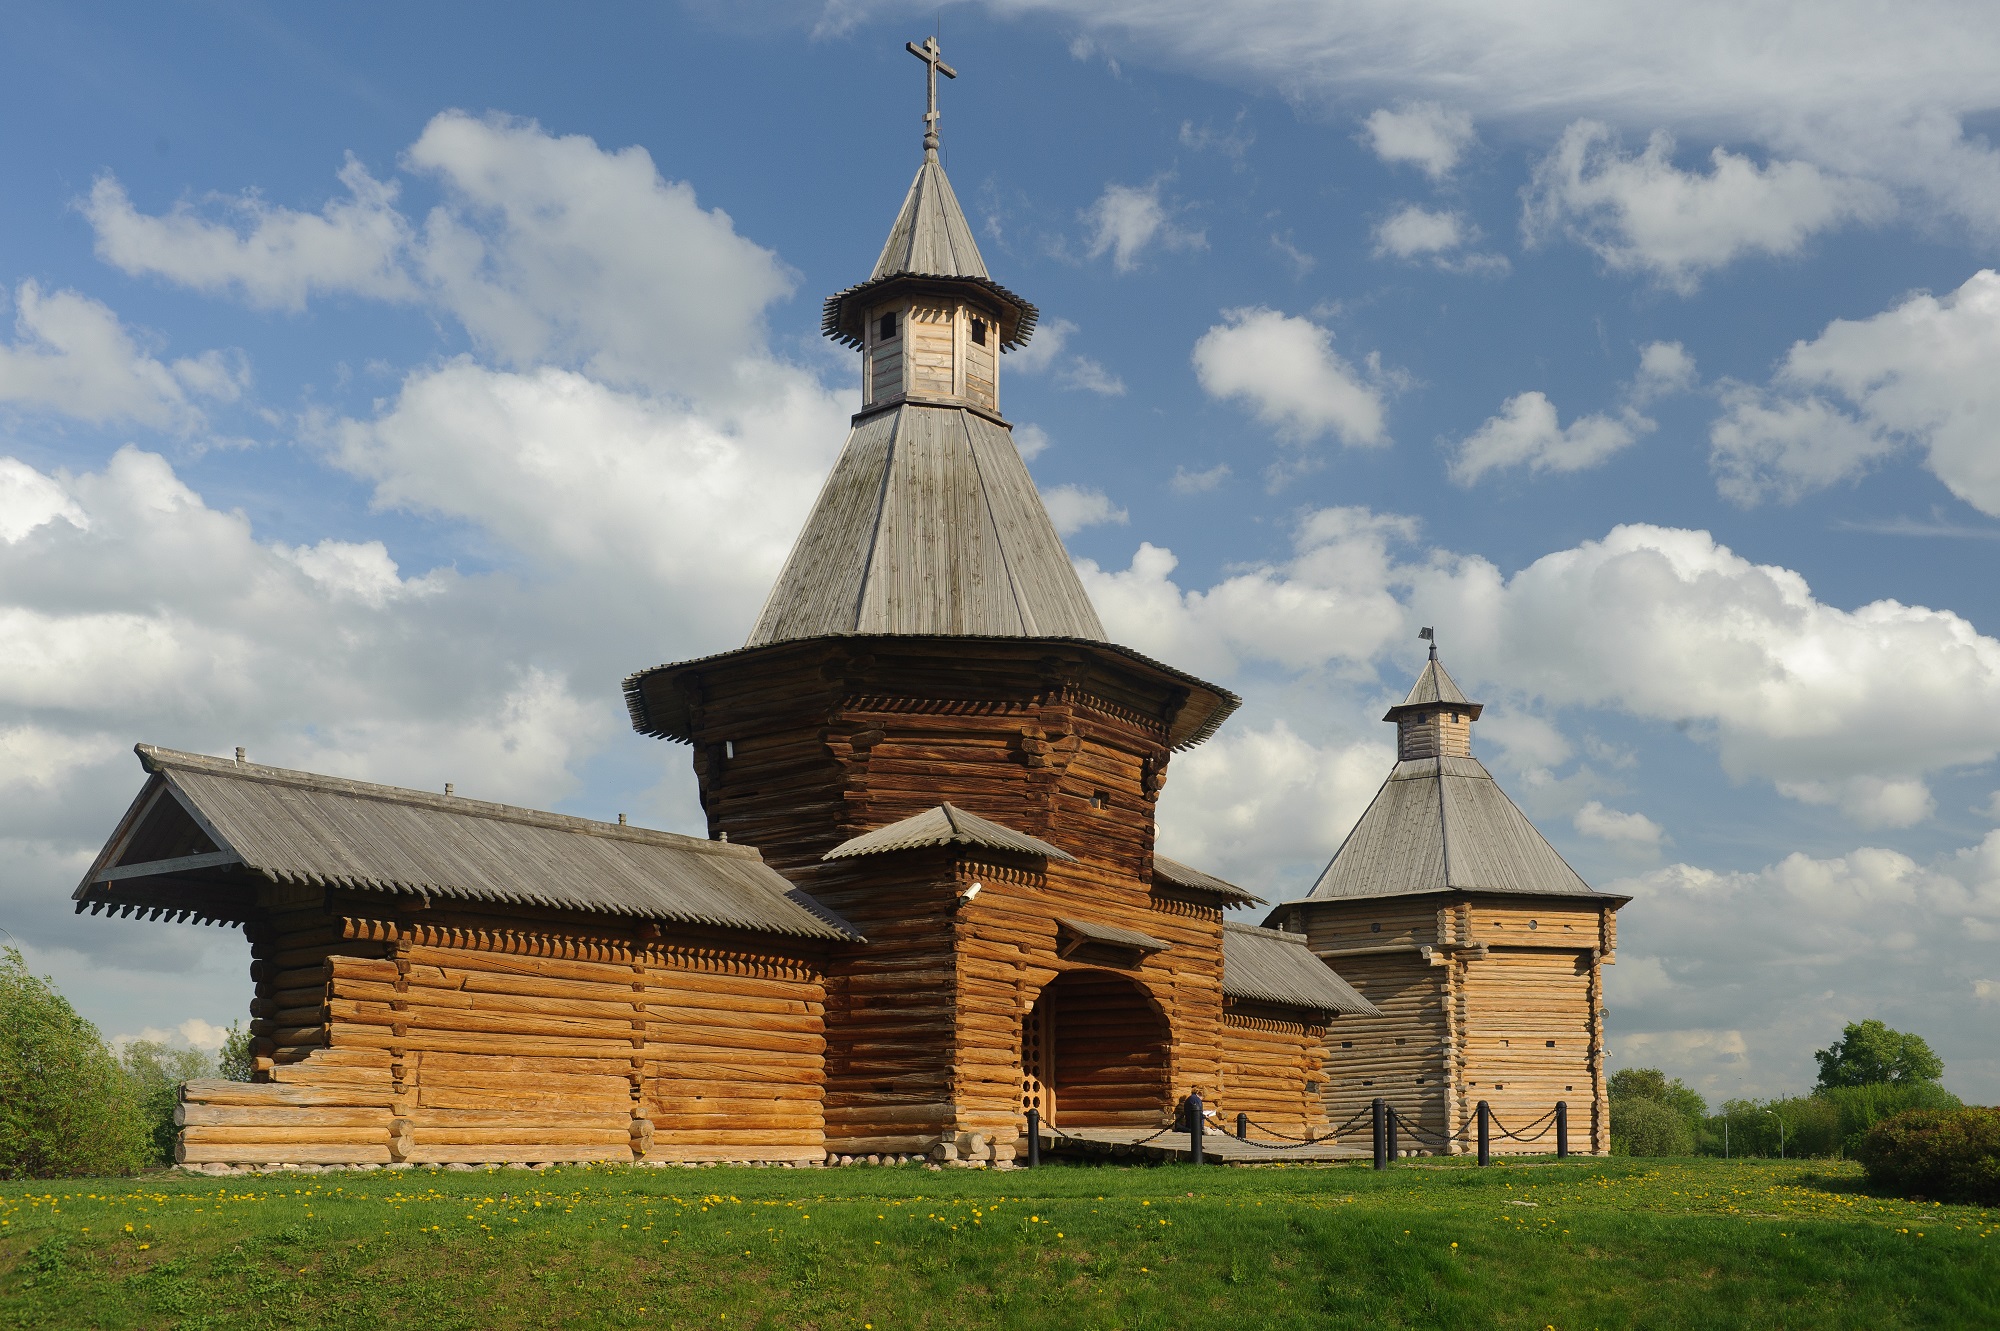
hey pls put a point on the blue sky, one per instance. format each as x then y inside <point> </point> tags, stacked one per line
<point>379,392</point>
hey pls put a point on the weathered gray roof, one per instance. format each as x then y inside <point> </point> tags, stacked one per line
<point>1194,880</point>
<point>299,827</point>
<point>1117,936</point>
<point>929,524</point>
<point>1434,687</point>
<point>930,237</point>
<point>1444,824</point>
<point>945,826</point>
<point>1269,966</point>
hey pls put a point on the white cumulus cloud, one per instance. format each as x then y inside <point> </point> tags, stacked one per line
<point>1427,135</point>
<point>1643,214</point>
<point>1284,368</point>
<point>1526,434</point>
<point>1074,507</point>
<point>1128,220</point>
<point>1594,820</point>
<point>273,257</point>
<point>1920,375</point>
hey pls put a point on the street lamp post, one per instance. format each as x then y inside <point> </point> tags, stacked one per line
<point>1781,1131</point>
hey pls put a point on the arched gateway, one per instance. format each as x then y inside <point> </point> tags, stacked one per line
<point>1095,1053</point>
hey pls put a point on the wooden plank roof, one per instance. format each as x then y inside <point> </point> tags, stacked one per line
<point>930,240</point>
<point>1434,688</point>
<point>945,826</point>
<point>928,524</point>
<point>300,827</point>
<point>1176,874</point>
<point>1441,825</point>
<point>1271,966</point>
<point>931,237</point>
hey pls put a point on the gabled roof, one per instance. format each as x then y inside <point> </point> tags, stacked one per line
<point>203,827</point>
<point>1176,874</point>
<point>930,239</point>
<point>1270,966</point>
<point>928,524</point>
<point>1444,824</point>
<point>945,826</point>
<point>1434,687</point>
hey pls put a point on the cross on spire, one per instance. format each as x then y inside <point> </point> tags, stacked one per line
<point>934,59</point>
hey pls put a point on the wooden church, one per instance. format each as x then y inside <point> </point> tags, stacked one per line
<point>929,899</point>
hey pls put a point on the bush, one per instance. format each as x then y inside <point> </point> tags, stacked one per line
<point>1647,1127</point>
<point>1639,1099</point>
<point>1939,1155</point>
<point>66,1106</point>
<point>1825,1123</point>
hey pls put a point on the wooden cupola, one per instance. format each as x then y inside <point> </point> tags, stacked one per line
<point>1435,720</point>
<point>929,321</point>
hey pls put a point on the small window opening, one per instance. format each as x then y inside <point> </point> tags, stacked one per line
<point>729,748</point>
<point>1312,1088</point>
<point>886,329</point>
<point>1374,928</point>
<point>1550,1043</point>
<point>1499,1085</point>
<point>1534,924</point>
<point>1368,1081</point>
<point>1399,1040</point>
<point>1100,799</point>
<point>1347,1044</point>
<point>1569,1088</point>
<point>979,331</point>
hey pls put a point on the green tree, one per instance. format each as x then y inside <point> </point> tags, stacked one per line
<point>233,1059</point>
<point>1868,1053</point>
<point>67,1108</point>
<point>157,1072</point>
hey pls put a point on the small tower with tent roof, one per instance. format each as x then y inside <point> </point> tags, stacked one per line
<point>1483,950</point>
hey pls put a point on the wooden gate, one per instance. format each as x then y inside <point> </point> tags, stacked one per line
<point>1038,1045</point>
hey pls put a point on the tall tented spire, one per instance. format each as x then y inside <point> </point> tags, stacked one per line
<point>930,523</point>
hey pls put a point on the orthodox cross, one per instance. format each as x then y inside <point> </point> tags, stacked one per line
<point>934,58</point>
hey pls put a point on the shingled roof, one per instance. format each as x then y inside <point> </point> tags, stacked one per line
<point>929,524</point>
<point>945,826</point>
<point>930,240</point>
<point>1189,879</point>
<point>1434,688</point>
<point>1271,966</point>
<point>1444,824</point>
<point>204,829</point>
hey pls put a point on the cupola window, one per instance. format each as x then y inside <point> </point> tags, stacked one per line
<point>979,331</point>
<point>886,329</point>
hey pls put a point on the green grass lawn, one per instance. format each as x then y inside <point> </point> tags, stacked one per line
<point>1577,1244</point>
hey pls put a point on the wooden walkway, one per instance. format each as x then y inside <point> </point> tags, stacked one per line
<point>1127,1145</point>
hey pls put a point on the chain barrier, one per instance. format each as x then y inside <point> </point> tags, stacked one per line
<point>1545,1122</point>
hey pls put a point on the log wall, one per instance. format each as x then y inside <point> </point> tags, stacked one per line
<point>1272,1064</point>
<point>1484,998</point>
<point>469,1036</point>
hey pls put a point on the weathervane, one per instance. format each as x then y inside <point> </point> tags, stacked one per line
<point>1430,636</point>
<point>934,58</point>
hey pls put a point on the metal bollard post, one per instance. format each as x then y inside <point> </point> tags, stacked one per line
<point>1393,1152</point>
<point>1381,1141</point>
<point>1485,1133</point>
<point>1562,1129</point>
<point>1242,1127</point>
<point>1034,1137</point>
<point>1194,1125</point>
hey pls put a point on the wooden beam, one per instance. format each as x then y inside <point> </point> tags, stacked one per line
<point>179,864</point>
